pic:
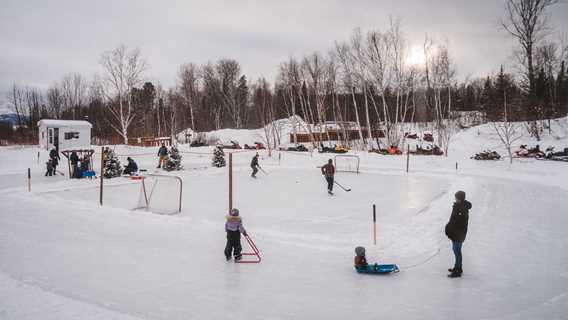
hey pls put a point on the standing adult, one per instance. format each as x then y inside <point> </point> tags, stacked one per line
<point>456,230</point>
<point>74,158</point>
<point>163,155</point>
<point>254,165</point>
<point>54,156</point>
<point>328,171</point>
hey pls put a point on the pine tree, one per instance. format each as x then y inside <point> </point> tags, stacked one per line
<point>562,91</point>
<point>112,167</point>
<point>174,160</point>
<point>218,158</point>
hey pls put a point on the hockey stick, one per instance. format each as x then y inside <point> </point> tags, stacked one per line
<point>266,173</point>
<point>342,187</point>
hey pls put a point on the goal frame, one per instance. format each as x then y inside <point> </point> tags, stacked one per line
<point>351,156</point>
<point>148,197</point>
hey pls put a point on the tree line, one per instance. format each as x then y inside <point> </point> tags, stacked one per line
<point>365,83</point>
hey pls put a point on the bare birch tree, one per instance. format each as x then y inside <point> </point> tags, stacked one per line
<point>123,71</point>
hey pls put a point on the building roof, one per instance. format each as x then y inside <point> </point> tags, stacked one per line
<point>64,123</point>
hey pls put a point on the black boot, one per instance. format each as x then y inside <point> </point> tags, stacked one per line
<point>456,273</point>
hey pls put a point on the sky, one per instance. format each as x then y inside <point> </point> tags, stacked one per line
<point>40,41</point>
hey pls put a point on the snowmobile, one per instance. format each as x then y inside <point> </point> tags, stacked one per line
<point>409,135</point>
<point>556,156</point>
<point>428,137</point>
<point>256,146</point>
<point>487,155</point>
<point>233,145</point>
<point>299,148</point>
<point>196,143</point>
<point>434,151</point>
<point>523,152</point>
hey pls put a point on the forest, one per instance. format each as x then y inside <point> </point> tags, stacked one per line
<point>371,81</point>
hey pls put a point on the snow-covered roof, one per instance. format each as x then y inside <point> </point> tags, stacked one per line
<point>64,123</point>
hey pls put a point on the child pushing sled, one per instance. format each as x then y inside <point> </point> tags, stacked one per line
<point>234,227</point>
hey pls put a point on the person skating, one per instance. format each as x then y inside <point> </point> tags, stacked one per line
<point>163,155</point>
<point>328,171</point>
<point>234,227</point>
<point>54,156</point>
<point>131,168</point>
<point>456,230</point>
<point>254,165</point>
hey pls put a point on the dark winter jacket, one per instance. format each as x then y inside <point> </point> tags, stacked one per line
<point>456,229</point>
<point>54,155</point>
<point>328,170</point>
<point>132,166</point>
<point>360,262</point>
<point>163,151</point>
<point>74,158</point>
<point>254,162</point>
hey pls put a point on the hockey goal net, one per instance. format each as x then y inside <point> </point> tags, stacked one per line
<point>346,163</point>
<point>160,194</point>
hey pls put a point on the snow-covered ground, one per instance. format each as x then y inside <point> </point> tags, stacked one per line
<point>63,256</point>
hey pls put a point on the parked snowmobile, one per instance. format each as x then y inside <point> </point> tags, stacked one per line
<point>556,156</point>
<point>487,155</point>
<point>525,152</point>
<point>233,145</point>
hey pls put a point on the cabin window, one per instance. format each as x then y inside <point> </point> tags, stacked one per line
<point>71,135</point>
<point>50,135</point>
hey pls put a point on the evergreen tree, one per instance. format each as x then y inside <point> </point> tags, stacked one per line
<point>112,167</point>
<point>219,157</point>
<point>174,160</point>
<point>562,91</point>
<point>486,99</point>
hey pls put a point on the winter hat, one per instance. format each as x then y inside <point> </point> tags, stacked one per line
<point>360,251</point>
<point>234,212</point>
<point>329,161</point>
<point>460,195</point>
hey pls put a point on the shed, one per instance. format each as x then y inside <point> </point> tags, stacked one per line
<point>64,134</point>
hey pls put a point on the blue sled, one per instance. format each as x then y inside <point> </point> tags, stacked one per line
<point>378,269</point>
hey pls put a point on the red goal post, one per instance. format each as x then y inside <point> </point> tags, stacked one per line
<point>346,163</point>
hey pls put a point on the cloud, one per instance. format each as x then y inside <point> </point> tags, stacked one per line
<point>43,40</point>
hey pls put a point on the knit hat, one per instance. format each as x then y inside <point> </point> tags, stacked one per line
<point>360,251</point>
<point>234,212</point>
<point>460,195</point>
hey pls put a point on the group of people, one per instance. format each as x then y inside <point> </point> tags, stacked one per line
<point>78,165</point>
<point>52,163</point>
<point>456,231</point>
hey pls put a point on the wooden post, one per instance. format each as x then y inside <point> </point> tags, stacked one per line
<point>101,176</point>
<point>279,157</point>
<point>456,166</point>
<point>38,157</point>
<point>375,224</point>
<point>407,157</point>
<point>29,180</point>
<point>230,181</point>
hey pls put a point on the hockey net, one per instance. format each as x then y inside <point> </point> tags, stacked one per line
<point>346,163</point>
<point>160,194</point>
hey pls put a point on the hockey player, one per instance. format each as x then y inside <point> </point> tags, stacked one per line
<point>254,165</point>
<point>328,171</point>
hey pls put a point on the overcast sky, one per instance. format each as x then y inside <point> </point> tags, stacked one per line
<point>40,40</point>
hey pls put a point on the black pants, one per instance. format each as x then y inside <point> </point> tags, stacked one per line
<point>329,183</point>
<point>254,171</point>
<point>233,244</point>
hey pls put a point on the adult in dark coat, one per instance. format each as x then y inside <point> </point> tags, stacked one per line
<point>74,158</point>
<point>54,156</point>
<point>456,230</point>
<point>131,167</point>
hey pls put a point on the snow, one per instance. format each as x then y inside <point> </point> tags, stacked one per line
<point>62,256</point>
<point>65,123</point>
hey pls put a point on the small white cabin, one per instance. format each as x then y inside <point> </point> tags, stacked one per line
<point>64,134</point>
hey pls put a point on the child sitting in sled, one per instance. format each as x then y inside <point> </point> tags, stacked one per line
<point>360,260</point>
